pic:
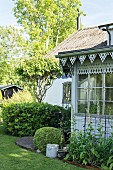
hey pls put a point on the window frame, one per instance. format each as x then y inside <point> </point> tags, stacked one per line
<point>66,99</point>
<point>103,102</point>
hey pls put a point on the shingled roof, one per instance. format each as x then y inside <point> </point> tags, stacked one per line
<point>82,39</point>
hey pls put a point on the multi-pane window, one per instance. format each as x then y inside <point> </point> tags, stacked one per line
<point>66,93</point>
<point>95,94</point>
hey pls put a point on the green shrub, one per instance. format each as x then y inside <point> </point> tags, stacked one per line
<point>91,149</point>
<point>47,135</point>
<point>23,119</point>
<point>19,97</point>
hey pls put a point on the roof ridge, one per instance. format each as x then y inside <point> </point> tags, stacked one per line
<point>77,40</point>
<point>86,28</point>
<point>71,35</point>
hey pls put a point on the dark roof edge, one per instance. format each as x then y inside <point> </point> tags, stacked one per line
<point>84,51</point>
<point>8,86</point>
<point>105,25</point>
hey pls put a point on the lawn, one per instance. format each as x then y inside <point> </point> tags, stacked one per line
<point>12,157</point>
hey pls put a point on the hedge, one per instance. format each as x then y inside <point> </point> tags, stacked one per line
<point>23,119</point>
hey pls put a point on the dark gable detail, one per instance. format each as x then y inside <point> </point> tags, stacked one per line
<point>7,91</point>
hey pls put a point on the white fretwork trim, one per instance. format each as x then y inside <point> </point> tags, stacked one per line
<point>63,61</point>
<point>92,57</point>
<point>103,56</point>
<point>72,60</point>
<point>111,54</point>
<point>82,58</point>
<point>95,68</point>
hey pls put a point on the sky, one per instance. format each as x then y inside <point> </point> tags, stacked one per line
<point>98,12</point>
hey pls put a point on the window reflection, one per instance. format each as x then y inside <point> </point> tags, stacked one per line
<point>66,93</point>
<point>109,80</point>
<point>109,108</point>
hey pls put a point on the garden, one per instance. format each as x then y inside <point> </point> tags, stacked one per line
<point>48,124</point>
<point>13,157</point>
<point>20,119</point>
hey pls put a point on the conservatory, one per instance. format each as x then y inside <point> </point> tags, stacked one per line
<point>91,70</point>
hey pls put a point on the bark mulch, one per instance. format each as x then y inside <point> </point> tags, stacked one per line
<point>82,166</point>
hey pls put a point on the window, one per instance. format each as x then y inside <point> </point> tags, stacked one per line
<point>66,93</point>
<point>95,93</point>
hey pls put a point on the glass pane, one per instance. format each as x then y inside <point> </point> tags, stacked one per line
<point>95,94</point>
<point>108,108</point>
<point>67,93</point>
<point>83,81</point>
<point>82,106</point>
<point>82,95</point>
<point>109,80</point>
<point>109,94</point>
<point>96,80</point>
<point>95,107</point>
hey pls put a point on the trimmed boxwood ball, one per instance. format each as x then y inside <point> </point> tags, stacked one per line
<point>48,135</point>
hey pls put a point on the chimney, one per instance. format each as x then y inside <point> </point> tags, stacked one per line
<point>78,20</point>
<point>109,29</point>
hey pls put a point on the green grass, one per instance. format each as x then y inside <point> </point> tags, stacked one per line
<point>12,157</point>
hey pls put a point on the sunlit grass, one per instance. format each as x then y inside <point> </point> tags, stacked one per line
<point>0,114</point>
<point>12,157</point>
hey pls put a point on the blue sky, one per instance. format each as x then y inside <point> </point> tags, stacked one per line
<point>98,12</point>
<point>6,14</point>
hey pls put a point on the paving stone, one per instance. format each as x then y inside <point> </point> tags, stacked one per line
<point>26,142</point>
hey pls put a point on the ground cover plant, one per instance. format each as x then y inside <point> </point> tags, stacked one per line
<point>13,157</point>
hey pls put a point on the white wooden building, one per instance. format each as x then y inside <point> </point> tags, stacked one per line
<point>87,56</point>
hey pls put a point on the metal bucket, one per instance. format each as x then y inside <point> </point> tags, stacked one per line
<point>51,150</point>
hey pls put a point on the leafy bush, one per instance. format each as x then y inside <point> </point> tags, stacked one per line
<point>91,149</point>
<point>19,97</point>
<point>23,119</point>
<point>47,135</point>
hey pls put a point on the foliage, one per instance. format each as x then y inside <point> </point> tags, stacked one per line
<point>12,46</point>
<point>38,73</point>
<point>13,157</point>
<point>47,135</point>
<point>91,149</point>
<point>47,22</point>
<point>22,96</point>
<point>23,119</point>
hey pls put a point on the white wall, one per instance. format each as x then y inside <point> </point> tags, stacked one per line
<point>97,121</point>
<point>55,92</point>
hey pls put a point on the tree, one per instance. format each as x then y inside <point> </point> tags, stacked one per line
<point>48,22</point>
<point>12,46</point>
<point>38,74</point>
